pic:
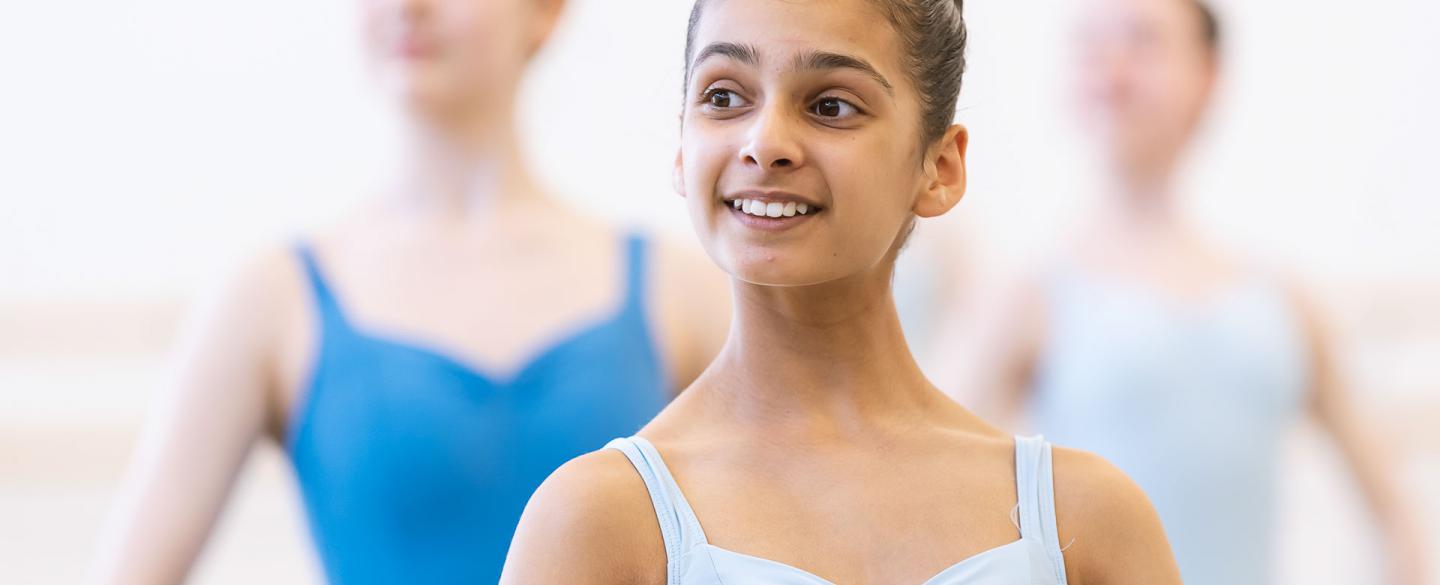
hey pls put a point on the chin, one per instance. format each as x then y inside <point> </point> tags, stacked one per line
<point>762,267</point>
<point>418,89</point>
<point>425,98</point>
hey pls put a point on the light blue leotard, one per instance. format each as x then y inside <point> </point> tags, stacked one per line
<point>1191,400</point>
<point>1035,559</point>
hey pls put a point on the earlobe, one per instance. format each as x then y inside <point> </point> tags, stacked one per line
<point>945,174</point>
<point>677,174</point>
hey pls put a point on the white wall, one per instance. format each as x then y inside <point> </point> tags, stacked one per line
<point>131,127</point>
<point>146,146</point>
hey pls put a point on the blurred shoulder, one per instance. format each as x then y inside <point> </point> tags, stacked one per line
<point>681,262</point>
<point>692,304</point>
<point>685,275</point>
<point>256,295</point>
<point>1310,307</point>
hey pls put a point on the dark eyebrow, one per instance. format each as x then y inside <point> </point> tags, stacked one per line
<point>821,60</point>
<point>743,53</point>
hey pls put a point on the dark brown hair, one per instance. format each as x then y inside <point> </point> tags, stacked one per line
<point>934,35</point>
<point>1209,25</point>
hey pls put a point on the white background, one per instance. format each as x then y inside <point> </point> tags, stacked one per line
<point>147,146</point>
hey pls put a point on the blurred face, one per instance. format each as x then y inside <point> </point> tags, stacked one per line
<point>449,55</point>
<point>801,156</point>
<point>1143,78</point>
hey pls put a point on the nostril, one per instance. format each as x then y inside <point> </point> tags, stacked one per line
<point>783,162</point>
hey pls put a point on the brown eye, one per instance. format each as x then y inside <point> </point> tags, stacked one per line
<point>723,99</point>
<point>833,108</point>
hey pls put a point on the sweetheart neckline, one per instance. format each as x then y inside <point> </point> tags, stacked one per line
<point>506,376</point>
<point>931,581</point>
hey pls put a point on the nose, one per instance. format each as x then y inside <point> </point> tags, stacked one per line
<point>411,10</point>
<point>772,143</point>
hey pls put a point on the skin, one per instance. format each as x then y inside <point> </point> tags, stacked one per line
<point>463,251</point>
<point>815,385</point>
<point>1147,81</point>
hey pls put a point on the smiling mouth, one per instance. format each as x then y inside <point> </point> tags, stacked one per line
<point>763,209</point>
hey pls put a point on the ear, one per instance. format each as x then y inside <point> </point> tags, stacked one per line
<point>1212,77</point>
<point>944,174</point>
<point>677,174</point>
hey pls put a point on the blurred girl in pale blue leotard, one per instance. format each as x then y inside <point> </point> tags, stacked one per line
<point>1147,345</point>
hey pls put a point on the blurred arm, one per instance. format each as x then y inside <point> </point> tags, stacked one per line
<point>197,438</point>
<point>1366,456</point>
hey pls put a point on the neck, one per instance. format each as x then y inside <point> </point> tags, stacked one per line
<point>1141,203</point>
<point>829,358</point>
<point>467,165</point>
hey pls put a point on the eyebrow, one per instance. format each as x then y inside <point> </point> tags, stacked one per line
<point>808,61</point>
<point>822,60</point>
<point>743,53</point>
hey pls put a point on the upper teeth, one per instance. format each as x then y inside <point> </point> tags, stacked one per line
<point>770,209</point>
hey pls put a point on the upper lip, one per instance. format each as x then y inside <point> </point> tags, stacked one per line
<point>412,44</point>
<point>771,197</point>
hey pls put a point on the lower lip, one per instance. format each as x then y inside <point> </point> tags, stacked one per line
<point>767,223</point>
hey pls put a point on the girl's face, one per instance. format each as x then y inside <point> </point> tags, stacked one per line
<point>1143,78</point>
<point>799,112</point>
<point>449,56</point>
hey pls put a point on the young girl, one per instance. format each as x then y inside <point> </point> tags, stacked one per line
<point>813,450</point>
<point>1145,342</point>
<point>429,361</point>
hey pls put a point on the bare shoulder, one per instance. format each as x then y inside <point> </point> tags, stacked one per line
<point>1091,491</point>
<point>267,279</point>
<point>268,296</point>
<point>245,310</point>
<point>592,521</point>
<point>1309,309</point>
<point>1107,526</point>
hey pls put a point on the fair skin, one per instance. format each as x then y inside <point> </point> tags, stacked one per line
<point>464,251</point>
<point>1149,78</point>
<point>815,385</point>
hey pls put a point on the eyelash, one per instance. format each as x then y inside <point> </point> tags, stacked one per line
<point>708,96</point>
<point>841,101</point>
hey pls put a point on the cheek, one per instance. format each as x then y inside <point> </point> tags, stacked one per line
<point>1190,94</point>
<point>874,183</point>
<point>380,31</point>
<point>1162,99</point>
<point>484,41</point>
<point>704,158</point>
<point>706,152</point>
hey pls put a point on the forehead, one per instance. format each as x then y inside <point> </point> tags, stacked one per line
<point>779,29</point>
<point>1172,18</point>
